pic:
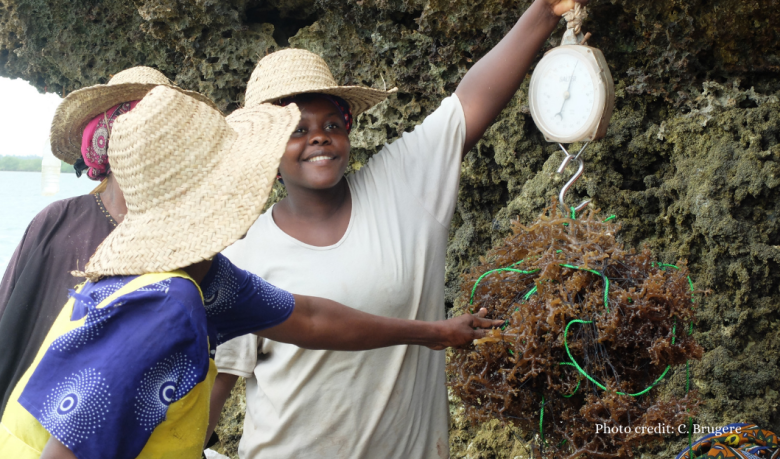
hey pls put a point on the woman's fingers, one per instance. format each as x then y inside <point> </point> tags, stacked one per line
<point>560,7</point>
<point>480,333</point>
<point>462,330</point>
<point>479,320</point>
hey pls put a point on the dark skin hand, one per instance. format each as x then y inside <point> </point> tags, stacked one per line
<point>318,205</point>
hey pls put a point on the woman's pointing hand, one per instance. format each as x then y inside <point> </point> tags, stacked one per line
<point>462,330</point>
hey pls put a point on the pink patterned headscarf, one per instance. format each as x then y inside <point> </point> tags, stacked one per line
<point>94,142</point>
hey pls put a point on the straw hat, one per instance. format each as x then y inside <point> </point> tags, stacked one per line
<point>297,71</point>
<point>82,105</point>
<point>194,181</point>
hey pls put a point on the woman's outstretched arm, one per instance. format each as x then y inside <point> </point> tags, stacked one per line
<point>318,323</point>
<point>490,84</point>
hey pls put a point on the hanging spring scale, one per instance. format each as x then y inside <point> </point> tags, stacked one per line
<point>571,96</point>
<point>573,36</point>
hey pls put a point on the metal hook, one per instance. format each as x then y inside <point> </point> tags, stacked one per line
<point>574,178</point>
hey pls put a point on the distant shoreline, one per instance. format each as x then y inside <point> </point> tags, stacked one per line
<point>27,164</point>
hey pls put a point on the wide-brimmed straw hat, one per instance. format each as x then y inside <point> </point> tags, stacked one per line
<point>297,71</point>
<point>194,181</point>
<point>81,106</point>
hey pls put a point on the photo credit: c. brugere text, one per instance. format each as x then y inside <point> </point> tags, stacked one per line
<point>665,429</point>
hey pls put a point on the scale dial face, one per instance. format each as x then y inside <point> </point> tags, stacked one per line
<point>566,95</point>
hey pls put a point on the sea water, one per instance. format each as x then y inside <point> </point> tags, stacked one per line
<point>21,200</point>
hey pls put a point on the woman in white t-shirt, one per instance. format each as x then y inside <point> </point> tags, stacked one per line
<point>376,241</point>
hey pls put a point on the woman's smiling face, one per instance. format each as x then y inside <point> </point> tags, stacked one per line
<point>317,153</point>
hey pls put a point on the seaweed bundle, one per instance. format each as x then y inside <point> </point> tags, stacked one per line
<point>590,330</point>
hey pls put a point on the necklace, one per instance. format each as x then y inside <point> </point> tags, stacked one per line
<point>103,209</point>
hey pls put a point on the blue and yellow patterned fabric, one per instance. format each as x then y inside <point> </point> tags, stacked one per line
<point>126,371</point>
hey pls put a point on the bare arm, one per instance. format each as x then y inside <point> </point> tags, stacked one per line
<point>54,449</point>
<point>219,395</point>
<point>490,84</point>
<point>317,323</point>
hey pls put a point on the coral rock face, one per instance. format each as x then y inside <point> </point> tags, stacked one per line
<point>690,164</point>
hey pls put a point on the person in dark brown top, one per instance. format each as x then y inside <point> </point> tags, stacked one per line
<point>64,235</point>
<point>60,239</point>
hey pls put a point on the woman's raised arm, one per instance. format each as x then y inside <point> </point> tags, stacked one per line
<point>490,84</point>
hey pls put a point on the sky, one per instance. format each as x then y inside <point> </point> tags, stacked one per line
<point>25,118</point>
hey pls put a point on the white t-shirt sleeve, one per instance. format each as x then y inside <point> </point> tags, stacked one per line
<point>238,356</point>
<point>428,159</point>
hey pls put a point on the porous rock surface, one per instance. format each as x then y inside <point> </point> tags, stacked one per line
<point>690,164</point>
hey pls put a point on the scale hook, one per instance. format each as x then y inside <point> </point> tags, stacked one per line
<point>574,178</point>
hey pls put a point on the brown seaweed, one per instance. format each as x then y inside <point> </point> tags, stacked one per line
<point>558,269</point>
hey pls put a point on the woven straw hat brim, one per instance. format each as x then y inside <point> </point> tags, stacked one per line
<point>180,216</point>
<point>292,71</point>
<point>81,106</point>
<point>359,98</point>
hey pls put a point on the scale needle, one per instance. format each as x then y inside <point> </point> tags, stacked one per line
<point>566,93</point>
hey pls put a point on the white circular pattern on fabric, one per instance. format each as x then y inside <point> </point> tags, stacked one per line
<point>68,403</point>
<point>166,382</point>
<point>77,407</point>
<point>167,392</point>
<point>80,336</point>
<point>271,295</point>
<point>100,140</point>
<point>101,293</point>
<point>220,295</point>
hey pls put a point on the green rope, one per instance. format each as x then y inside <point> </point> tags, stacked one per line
<point>509,268</point>
<point>606,282</point>
<point>575,391</point>
<point>687,362</point>
<point>590,378</point>
<point>609,218</point>
<point>687,376</point>
<point>690,428</point>
<point>690,282</point>
<point>578,383</point>
<point>541,418</point>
